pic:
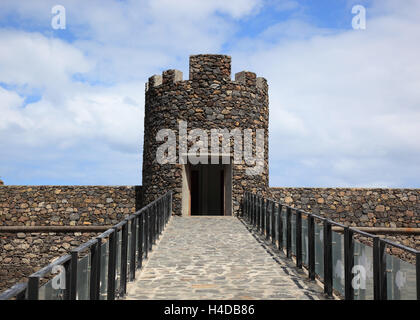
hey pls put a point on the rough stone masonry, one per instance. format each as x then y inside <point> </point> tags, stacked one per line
<point>208,100</point>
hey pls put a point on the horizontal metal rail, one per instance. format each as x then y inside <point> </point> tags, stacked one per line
<point>60,229</point>
<point>255,214</point>
<point>16,292</point>
<point>139,232</point>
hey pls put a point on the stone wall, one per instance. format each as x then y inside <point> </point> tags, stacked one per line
<point>22,254</point>
<point>361,207</point>
<point>208,100</point>
<point>66,205</point>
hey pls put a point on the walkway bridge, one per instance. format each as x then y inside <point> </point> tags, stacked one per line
<point>271,252</point>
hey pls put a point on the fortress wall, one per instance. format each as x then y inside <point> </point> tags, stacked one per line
<point>21,254</point>
<point>363,207</point>
<point>66,205</point>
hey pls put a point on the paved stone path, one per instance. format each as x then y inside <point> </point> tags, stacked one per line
<point>216,258</point>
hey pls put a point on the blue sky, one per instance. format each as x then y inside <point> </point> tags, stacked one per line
<point>344,103</point>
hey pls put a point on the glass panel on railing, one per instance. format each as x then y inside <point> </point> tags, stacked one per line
<point>401,279</point>
<point>104,270</point>
<point>137,240</point>
<point>305,241</point>
<point>83,278</point>
<point>293,226</point>
<point>53,289</point>
<point>319,250</point>
<point>338,261</point>
<point>118,263</point>
<point>362,272</point>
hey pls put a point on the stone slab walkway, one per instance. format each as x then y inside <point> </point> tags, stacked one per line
<point>216,258</point>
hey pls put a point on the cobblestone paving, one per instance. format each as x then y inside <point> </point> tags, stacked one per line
<point>216,258</point>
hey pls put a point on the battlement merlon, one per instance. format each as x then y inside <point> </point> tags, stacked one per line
<point>154,81</point>
<point>262,84</point>
<point>246,78</point>
<point>168,76</point>
<point>171,76</point>
<point>210,67</point>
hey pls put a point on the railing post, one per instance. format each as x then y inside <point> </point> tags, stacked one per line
<point>124,247</point>
<point>298,241</point>
<point>328,268</point>
<point>280,228</point>
<point>156,222</point>
<point>112,257</point>
<point>33,288</point>
<point>168,199</point>
<point>348,263</point>
<point>267,208</point>
<point>73,274</point>
<point>262,214</point>
<point>288,232</point>
<point>376,269</point>
<point>248,209</point>
<point>159,211</point>
<point>245,205</point>
<point>311,247</point>
<point>151,212</point>
<point>258,213</point>
<point>153,226</point>
<point>146,232</point>
<point>383,273</point>
<point>155,211</point>
<point>67,267</point>
<point>162,216</point>
<point>253,210</point>
<point>140,240</point>
<point>133,249</point>
<point>273,223</point>
<point>170,206</point>
<point>95,260</point>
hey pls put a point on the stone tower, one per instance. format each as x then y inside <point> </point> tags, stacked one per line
<point>224,122</point>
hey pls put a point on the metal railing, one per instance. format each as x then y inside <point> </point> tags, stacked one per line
<point>100,268</point>
<point>346,266</point>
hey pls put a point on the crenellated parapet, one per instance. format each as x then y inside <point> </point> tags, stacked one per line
<point>208,70</point>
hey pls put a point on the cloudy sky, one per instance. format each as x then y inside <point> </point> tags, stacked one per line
<point>344,103</point>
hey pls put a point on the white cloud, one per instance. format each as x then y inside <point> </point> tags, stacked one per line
<point>98,120</point>
<point>344,104</point>
<point>348,101</point>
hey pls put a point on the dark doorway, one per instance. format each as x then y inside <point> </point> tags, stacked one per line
<point>195,204</point>
<point>207,189</point>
